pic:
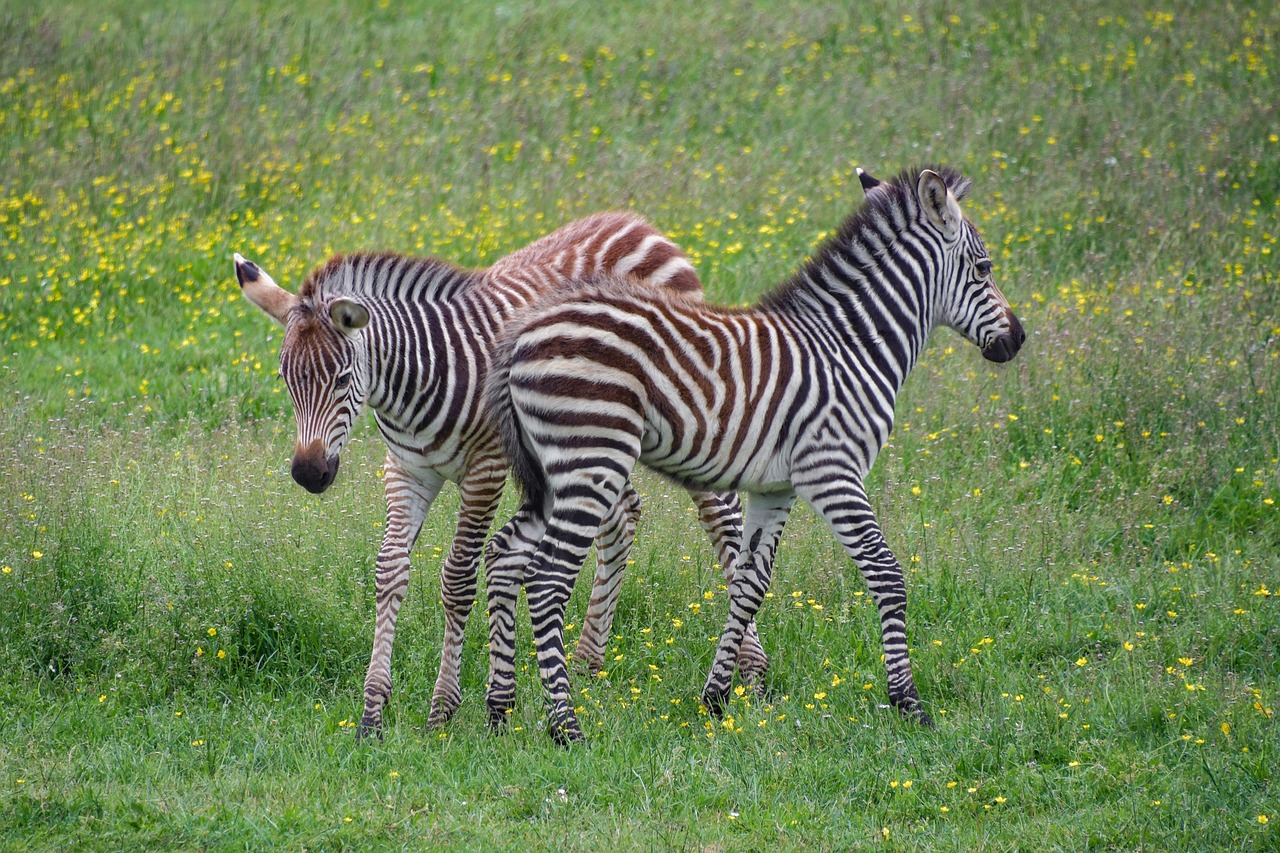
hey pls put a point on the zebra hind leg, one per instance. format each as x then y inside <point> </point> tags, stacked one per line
<point>613,547</point>
<point>505,558</point>
<point>481,489</point>
<point>572,524</point>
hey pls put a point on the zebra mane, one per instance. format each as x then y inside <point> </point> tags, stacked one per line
<point>385,275</point>
<point>890,208</point>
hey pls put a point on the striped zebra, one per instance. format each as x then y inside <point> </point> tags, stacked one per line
<point>793,398</point>
<point>412,339</point>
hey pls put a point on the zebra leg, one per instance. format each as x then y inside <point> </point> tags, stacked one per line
<point>408,500</point>
<point>613,547</point>
<point>847,511</point>
<point>505,558</point>
<point>720,515</point>
<point>572,524</point>
<point>766,517</point>
<point>481,489</point>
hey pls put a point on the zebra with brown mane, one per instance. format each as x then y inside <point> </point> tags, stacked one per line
<point>412,339</point>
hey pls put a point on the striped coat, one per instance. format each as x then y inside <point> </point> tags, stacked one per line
<point>792,398</point>
<point>412,339</point>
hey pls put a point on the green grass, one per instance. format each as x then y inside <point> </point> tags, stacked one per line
<point>1091,532</point>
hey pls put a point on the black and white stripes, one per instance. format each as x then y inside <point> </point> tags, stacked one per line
<point>412,339</point>
<point>793,398</point>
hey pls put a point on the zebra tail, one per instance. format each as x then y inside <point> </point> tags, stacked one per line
<point>525,465</point>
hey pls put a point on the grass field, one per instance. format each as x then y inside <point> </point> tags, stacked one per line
<point>1091,532</point>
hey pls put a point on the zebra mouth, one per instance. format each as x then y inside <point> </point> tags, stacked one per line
<point>314,472</point>
<point>1005,347</point>
<point>1001,350</point>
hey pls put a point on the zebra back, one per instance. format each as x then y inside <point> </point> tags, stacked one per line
<point>725,391</point>
<point>610,243</point>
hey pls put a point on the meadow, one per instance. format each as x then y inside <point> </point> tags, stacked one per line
<point>1091,532</point>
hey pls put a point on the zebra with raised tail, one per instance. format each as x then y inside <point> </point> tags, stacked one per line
<point>792,398</point>
<point>412,339</point>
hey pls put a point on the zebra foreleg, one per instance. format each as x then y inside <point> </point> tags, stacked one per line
<point>848,512</point>
<point>720,516</point>
<point>766,517</point>
<point>408,500</point>
<point>506,556</point>
<point>481,489</point>
<point>613,547</point>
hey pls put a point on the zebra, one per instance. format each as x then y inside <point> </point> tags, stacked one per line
<point>412,338</point>
<point>791,398</point>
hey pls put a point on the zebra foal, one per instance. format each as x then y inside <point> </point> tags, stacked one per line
<point>792,398</point>
<point>412,339</point>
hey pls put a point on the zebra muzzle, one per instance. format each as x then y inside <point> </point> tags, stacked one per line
<point>1005,347</point>
<point>313,469</point>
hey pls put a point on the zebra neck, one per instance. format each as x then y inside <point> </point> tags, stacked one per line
<point>427,358</point>
<point>868,310</point>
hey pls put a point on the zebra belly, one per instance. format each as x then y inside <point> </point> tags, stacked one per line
<point>447,460</point>
<point>697,470</point>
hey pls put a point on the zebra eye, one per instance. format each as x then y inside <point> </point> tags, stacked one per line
<point>342,380</point>
<point>984,267</point>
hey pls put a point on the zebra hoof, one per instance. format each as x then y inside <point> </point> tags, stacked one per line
<point>911,710</point>
<point>440,715</point>
<point>566,732</point>
<point>715,702</point>
<point>370,726</point>
<point>497,720</point>
<point>922,718</point>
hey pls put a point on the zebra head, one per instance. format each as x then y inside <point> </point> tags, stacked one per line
<point>323,366</point>
<point>970,302</point>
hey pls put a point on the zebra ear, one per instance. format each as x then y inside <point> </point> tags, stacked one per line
<point>260,289</point>
<point>868,183</point>
<point>940,206</point>
<point>348,315</point>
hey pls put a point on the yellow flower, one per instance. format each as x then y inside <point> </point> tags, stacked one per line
<point>37,554</point>
<point>1262,818</point>
<point>213,632</point>
<point>221,654</point>
<point>1081,661</point>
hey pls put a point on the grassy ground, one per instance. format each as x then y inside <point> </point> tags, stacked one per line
<point>1091,532</point>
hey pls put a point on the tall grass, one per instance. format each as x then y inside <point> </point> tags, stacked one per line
<point>1090,533</point>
